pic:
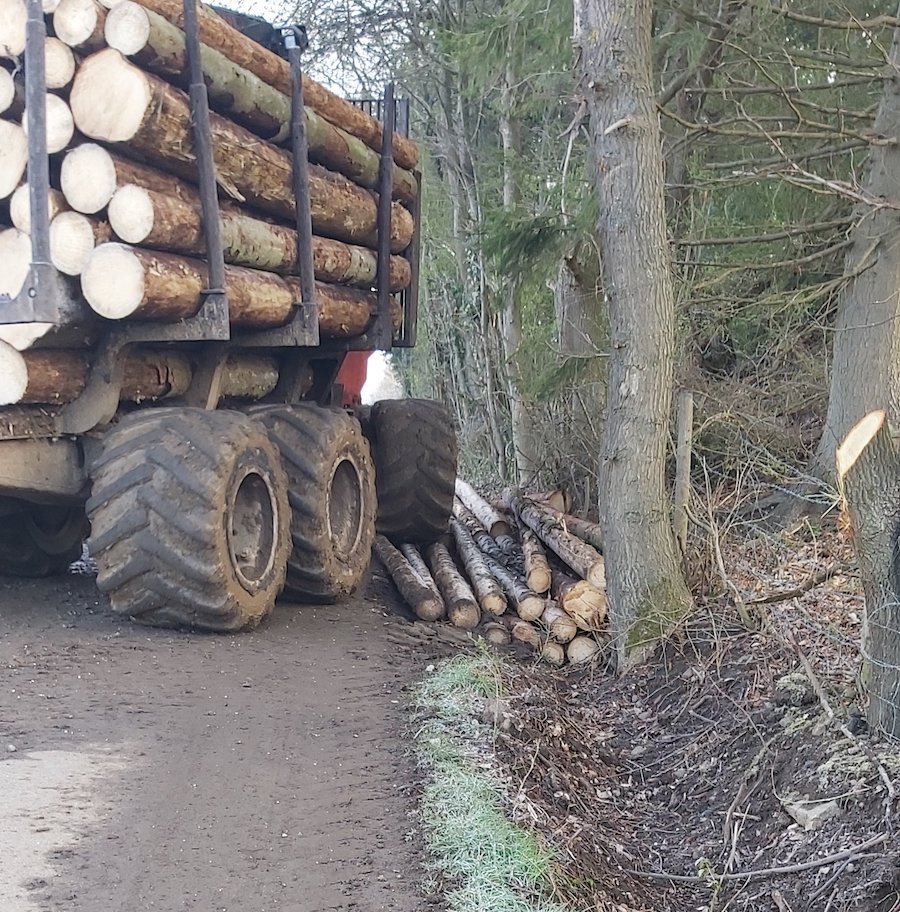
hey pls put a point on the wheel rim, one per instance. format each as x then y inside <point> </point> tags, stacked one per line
<point>55,530</point>
<point>345,512</point>
<point>253,530</point>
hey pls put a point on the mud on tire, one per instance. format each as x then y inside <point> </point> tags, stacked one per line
<point>190,519</point>
<point>38,540</point>
<point>331,482</point>
<point>415,468</point>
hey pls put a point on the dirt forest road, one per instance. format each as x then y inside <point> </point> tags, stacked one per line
<point>151,770</point>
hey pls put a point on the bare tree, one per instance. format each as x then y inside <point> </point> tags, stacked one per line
<point>646,587</point>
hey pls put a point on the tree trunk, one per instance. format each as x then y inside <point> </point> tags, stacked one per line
<point>647,590</point>
<point>424,603</point>
<point>462,608</point>
<point>121,282</point>
<point>274,70</point>
<point>73,237</point>
<point>865,369</point>
<point>586,561</point>
<point>485,541</point>
<point>115,102</point>
<point>13,156</point>
<point>490,595</point>
<point>151,219</point>
<point>868,471</point>
<point>159,46</point>
<point>587,531</point>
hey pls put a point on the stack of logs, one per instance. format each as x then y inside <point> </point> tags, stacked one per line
<point>124,208</point>
<point>520,569</point>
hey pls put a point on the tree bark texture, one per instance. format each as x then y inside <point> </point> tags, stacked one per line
<point>423,601</point>
<point>159,46</point>
<point>488,516</point>
<point>490,595</point>
<point>274,70</point>
<point>115,102</point>
<point>420,568</point>
<point>647,591</point>
<point>462,607</point>
<point>865,369</point>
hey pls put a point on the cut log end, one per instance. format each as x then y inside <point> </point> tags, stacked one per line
<point>88,178</point>
<point>127,28</point>
<point>79,23</point>
<point>113,281</point>
<point>582,649</point>
<point>131,213</point>
<point>7,90</point>
<point>13,156</point>
<point>20,207</point>
<point>15,261</point>
<point>60,125</point>
<point>13,16</point>
<point>13,375</point>
<point>496,634</point>
<point>72,240</point>
<point>464,615</point>
<point>59,64</point>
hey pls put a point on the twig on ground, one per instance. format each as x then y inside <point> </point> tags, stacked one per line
<point>810,582</point>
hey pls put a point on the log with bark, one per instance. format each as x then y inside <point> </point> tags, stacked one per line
<point>420,568</point>
<point>157,45</point>
<point>528,605</point>
<point>587,531</point>
<point>174,223</point>
<point>550,652</point>
<point>73,237</point>
<point>20,207</point>
<point>488,516</point>
<point>584,603</point>
<point>13,156</point>
<point>486,543</point>
<point>275,71</point>
<point>58,376</point>
<point>79,24</point>
<point>462,608</point>
<point>60,124</point>
<point>496,634</point>
<point>490,594</point>
<point>115,102</point>
<point>121,282</point>
<point>423,601</point>
<point>585,560</point>
<point>13,16</point>
<point>561,625</point>
<point>537,570</point>
<point>15,260</point>
<point>582,649</point>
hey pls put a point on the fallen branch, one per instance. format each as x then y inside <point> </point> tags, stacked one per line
<point>810,582</point>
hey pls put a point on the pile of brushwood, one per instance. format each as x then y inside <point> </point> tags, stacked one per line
<point>520,569</point>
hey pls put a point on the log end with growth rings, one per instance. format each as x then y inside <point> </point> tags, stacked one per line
<point>88,178</point>
<point>113,281</point>
<point>15,260</point>
<point>72,241</point>
<point>60,124</point>
<point>13,156</point>
<point>131,213</point>
<point>127,28</point>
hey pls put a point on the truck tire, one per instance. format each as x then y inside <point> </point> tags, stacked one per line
<point>331,481</point>
<point>190,519</point>
<point>39,540</point>
<point>415,468</point>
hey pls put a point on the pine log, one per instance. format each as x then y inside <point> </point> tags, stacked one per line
<point>490,595</point>
<point>15,261</point>
<point>462,608</point>
<point>58,376</point>
<point>275,71</point>
<point>490,518</point>
<point>73,237</point>
<point>12,95</point>
<point>115,102</point>
<point>90,176</point>
<point>486,543</point>
<point>528,605</point>
<point>59,64</point>
<point>79,24</point>
<point>13,156</point>
<point>584,603</point>
<point>496,634</point>
<point>585,560</point>
<point>13,16</point>
<point>163,222</point>
<point>13,375</point>
<point>587,531</point>
<point>419,597</point>
<point>20,207</point>
<point>537,570</point>
<point>60,125</point>
<point>558,499</point>
<point>344,312</point>
<point>581,649</point>
<point>562,627</point>
<point>155,44</point>
<point>550,652</point>
<point>420,568</point>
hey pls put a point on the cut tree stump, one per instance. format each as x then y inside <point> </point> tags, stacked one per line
<point>115,102</point>
<point>462,608</point>
<point>420,598</point>
<point>490,594</point>
<point>157,45</point>
<point>174,224</point>
<point>274,70</point>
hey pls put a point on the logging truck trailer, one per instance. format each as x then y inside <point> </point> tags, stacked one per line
<point>210,462</point>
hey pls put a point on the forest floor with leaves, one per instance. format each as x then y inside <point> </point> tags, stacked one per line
<point>732,771</point>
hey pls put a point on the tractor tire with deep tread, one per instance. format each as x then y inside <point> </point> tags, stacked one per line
<point>415,468</point>
<point>190,519</point>
<point>331,481</point>
<point>38,540</point>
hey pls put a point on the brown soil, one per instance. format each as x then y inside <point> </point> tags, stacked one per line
<point>146,769</point>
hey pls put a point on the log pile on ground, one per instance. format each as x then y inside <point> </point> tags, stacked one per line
<point>517,570</point>
<point>124,205</point>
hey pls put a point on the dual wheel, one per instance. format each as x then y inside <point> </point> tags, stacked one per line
<point>201,519</point>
